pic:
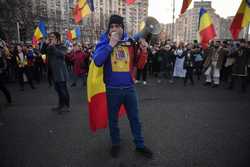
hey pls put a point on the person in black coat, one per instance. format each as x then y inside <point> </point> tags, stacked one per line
<point>189,64</point>
<point>239,69</point>
<point>56,61</point>
<point>3,67</point>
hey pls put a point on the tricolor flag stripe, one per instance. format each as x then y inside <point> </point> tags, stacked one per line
<point>82,9</point>
<point>241,19</point>
<point>185,5</point>
<point>129,2</point>
<point>206,28</point>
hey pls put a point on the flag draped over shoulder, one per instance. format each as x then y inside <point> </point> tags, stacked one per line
<point>82,9</point>
<point>241,19</point>
<point>97,100</point>
<point>185,5</point>
<point>206,28</point>
<point>39,33</point>
<point>73,34</point>
<point>129,2</point>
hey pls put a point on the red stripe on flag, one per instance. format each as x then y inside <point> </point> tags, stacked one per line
<point>236,25</point>
<point>207,34</point>
<point>69,35</point>
<point>185,5</point>
<point>98,112</point>
<point>129,2</point>
<point>77,14</point>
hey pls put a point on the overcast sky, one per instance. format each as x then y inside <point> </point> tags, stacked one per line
<point>162,9</point>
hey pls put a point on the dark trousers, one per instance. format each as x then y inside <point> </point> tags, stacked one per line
<point>189,75</point>
<point>242,79</point>
<point>248,73</point>
<point>198,69</point>
<point>142,72</point>
<point>63,94</point>
<point>28,73</point>
<point>49,76</point>
<point>128,97</point>
<point>5,91</point>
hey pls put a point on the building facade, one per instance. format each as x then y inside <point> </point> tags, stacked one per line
<point>186,26</point>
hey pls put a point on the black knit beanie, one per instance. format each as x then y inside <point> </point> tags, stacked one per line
<point>116,19</point>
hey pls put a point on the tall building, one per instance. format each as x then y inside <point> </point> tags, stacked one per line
<point>186,26</point>
<point>133,14</point>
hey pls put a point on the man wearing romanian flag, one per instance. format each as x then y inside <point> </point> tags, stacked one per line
<point>115,52</point>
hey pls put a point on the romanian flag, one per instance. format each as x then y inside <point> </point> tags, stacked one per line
<point>82,9</point>
<point>129,2</point>
<point>73,34</point>
<point>185,5</point>
<point>241,19</point>
<point>97,100</point>
<point>206,28</point>
<point>39,33</point>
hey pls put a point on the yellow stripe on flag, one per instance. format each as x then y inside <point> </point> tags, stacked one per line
<point>205,21</point>
<point>95,84</point>
<point>246,12</point>
<point>38,34</point>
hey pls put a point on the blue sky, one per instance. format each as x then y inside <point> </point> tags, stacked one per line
<point>162,9</point>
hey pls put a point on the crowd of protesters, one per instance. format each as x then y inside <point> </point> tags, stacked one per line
<point>223,63</point>
<point>22,63</point>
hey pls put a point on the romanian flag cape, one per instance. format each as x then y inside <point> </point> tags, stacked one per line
<point>97,100</point>
<point>185,5</point>
<point>206,28</point>
<point>82,9</point>
<point>241,19</point>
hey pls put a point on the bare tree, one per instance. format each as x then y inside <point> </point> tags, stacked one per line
<point>13,11</point>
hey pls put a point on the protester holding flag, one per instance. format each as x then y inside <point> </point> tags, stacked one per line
<point>115,52</point>
<point>56,61</point>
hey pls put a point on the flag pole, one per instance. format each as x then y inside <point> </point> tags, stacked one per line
<point>18,32</point>
<point>173,20</point>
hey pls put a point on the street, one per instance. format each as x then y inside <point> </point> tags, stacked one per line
<point>192,126</point>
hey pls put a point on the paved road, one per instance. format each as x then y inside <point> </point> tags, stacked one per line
<point>191,126</point>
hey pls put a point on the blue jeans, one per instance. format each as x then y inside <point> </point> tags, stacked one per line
<point>115,98</point>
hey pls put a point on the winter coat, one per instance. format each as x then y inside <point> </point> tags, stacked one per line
<point>240,64</point>
<point>56,62</point>
<point>77,58</point>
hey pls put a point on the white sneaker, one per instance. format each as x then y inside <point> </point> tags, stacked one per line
<point>136,81</point>
<point>144,82</point>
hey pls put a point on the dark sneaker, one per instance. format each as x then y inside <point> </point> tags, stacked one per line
<point>56,108</point>
<point>215,86</point>
<point>146,152</point>
<point>207,84</point>
<point>115,150</point>
<point>63,109</point>
<point>73,85</point>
